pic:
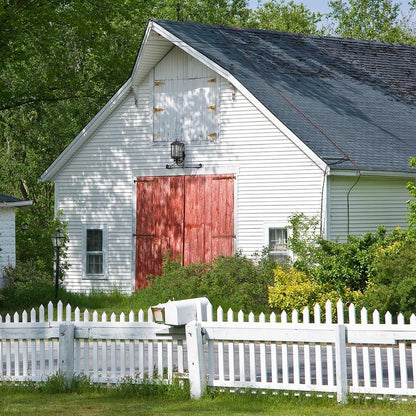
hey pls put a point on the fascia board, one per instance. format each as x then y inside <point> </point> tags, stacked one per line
<point>85,134</point>
<point>230,78</point>
<point>142,49</point>
<point>375,173</point>
<point>18,204</point>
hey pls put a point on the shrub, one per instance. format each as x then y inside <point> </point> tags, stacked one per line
<point>393,286</point>
<point>294,289</point>
<point>344,266</point>
<point>235,282</point>
<point>25,285</point>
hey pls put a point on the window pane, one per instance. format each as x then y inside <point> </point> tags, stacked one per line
<point>94,264</point>
<point>277,239</point>
<point>94,240</point>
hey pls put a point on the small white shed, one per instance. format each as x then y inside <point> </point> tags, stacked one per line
<point>8,206</point>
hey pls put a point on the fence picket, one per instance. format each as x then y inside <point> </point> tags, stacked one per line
<point>329,348</point>
<point>285,356</point>
<point>306,350</point>
<point>388,321</point>
<point>295,351</point>
<point>354,360</point>
<point>59,312</point>
<point>252,353</point>
<point>50,311</point>
<point>230,318</point>
<point>25,349</point>
<point>220,346</point>
<point>241,351</point>
<point>377,354</point>
<point>318,350</point>
<point>402,356</point>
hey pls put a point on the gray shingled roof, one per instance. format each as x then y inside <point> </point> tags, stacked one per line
<point>7,198</point>
<point>347,100</point>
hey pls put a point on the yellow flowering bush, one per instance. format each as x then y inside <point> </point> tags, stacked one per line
<point>294,289</point>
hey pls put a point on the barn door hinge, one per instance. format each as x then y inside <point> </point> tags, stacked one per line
<point>223,236</point>
<point>144,235</point>
<point>144,180</point>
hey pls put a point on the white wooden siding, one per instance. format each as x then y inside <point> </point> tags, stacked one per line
<point>374,201</point>
<point>7,239</point>
<point>273,179</point>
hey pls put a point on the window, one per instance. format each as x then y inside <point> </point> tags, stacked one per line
<point>278,244</point>
<point>95,260</point>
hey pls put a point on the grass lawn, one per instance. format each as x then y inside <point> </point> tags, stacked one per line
<point>100,403</point>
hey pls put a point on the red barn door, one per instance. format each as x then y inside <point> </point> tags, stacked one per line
<point>193,216</point>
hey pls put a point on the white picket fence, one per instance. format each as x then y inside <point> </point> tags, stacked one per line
<point>106,350</point>
<point>334,352</point>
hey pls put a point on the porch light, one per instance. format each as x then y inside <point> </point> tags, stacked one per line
<point>58,240</point>
<point>177,153</point>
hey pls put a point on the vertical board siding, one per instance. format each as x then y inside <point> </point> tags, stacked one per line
<point>273,178</point>
<point>374,201</point>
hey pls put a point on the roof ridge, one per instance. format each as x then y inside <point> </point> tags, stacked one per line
<point>294,34</point>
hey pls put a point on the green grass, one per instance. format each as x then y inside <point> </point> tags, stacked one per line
<point>122,401</point>
<point>115,301</point>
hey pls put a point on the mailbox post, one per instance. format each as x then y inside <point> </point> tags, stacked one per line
<point>188,314</point>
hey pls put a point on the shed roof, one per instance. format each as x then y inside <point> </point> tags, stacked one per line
<point>6,200</point>
<point>351,102</point>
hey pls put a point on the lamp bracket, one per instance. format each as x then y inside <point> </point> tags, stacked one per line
<point>183,166</point>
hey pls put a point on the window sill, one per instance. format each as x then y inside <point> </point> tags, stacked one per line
<point>95,277</point>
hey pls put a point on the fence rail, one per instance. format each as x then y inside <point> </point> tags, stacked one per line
<point>337,352</point>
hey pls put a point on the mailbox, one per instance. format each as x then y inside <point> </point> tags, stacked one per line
<point>181,312</point>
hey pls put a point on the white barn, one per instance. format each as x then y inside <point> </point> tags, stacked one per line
<point>272,124</point>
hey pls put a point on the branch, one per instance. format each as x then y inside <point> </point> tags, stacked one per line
<point>48,99</point>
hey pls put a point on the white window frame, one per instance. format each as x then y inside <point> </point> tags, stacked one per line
<point>266,238</point>
<point>104,230</point>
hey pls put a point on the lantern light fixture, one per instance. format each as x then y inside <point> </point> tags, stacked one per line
<point>177,153</point>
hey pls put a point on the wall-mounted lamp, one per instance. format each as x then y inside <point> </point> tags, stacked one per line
<point>58,241</point>
<point>177,153</point>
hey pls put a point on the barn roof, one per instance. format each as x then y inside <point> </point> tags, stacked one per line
<point>352,102</point>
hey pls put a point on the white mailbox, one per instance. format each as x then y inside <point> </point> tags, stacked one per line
<point>181,312</point>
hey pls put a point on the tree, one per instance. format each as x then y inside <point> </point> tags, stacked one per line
<point>61,62</point>
<point>369,19</point>
<point>286,17</point>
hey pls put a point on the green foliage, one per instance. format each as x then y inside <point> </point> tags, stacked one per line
<point>342,265</point>
<point>370,20</point>
<point>347,265</point>
<point>25,284</point>
<point>294,289</point>
<point>235,282</point>
<point>303,240</point>
<point>286,17</point>
<point>411,203</point>
<point>393,286</point>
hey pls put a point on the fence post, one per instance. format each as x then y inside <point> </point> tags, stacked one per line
<point>341,363</point>
<point>196,366</point>
<point>66,350</point>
